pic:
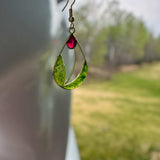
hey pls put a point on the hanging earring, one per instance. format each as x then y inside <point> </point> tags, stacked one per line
<point>59,67</point>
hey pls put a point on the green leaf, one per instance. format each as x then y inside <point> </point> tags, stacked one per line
<point>80,78</point>
<point>59,71</point>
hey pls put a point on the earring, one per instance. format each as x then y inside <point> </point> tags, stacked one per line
<point>59,67</point>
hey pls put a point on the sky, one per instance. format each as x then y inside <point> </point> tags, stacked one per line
<point>148,10</point>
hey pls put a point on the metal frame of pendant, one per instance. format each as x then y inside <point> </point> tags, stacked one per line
<point>85,62</point>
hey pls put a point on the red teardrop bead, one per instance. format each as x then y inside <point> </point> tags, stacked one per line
<point>71,43</point>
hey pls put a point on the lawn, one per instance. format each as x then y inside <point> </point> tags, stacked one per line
<point>119,119</point>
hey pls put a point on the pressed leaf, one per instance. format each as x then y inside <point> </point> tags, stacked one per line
<point>80,78</point>
<point>59,71</point>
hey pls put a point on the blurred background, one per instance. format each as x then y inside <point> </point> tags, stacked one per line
<point>116,113</point>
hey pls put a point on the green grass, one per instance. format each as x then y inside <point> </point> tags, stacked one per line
<point>119,119</point>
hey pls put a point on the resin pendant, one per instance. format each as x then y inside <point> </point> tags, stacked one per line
<point>59,67</point>
<point>71,43</point>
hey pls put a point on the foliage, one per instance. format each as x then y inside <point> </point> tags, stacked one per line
<point>110,34</point>
<point>158,48</point>
<point>126,40</point>
<point>152,49</point>
<point>99,49</point>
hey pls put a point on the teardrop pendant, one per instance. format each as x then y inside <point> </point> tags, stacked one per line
<point>59,67</point>
<point>71,43</point>
<point>59,71</point>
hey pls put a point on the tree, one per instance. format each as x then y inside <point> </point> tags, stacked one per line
<point>126,40</point>
<point>152,49</point>
<point>111,34</point>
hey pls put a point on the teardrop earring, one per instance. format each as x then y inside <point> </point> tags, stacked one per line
<point>59,67</point>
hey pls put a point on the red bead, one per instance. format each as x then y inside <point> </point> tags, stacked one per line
<point>72,42</point>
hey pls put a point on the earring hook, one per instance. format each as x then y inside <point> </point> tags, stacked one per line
<point>67,4</point>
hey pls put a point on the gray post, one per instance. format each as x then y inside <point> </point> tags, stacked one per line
<point>34,113</point>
